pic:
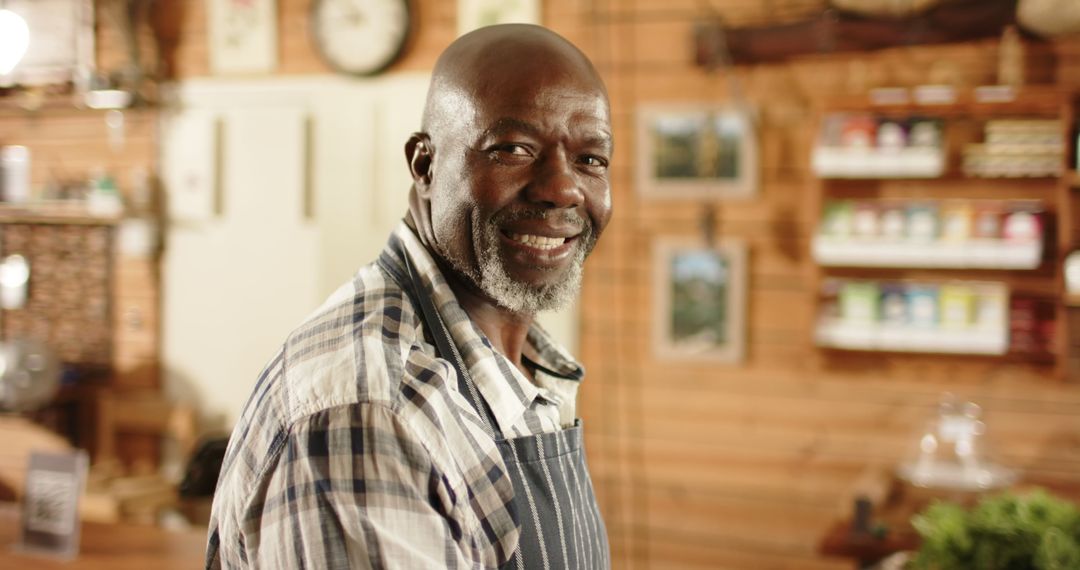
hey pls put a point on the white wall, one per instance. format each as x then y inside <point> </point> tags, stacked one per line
<point>244,264</point>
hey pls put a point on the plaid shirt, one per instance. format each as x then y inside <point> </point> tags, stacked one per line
<point>356,448</point>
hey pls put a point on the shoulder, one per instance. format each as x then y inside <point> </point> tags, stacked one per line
<point>362,350</point>
<point>364,345</point>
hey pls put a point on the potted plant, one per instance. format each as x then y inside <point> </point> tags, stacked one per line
<point>1011,530</point>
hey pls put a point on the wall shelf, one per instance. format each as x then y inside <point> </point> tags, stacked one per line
<point>831,162</point>
<point>965,255</point>
<point>884,172</point>
<point>832,333</point>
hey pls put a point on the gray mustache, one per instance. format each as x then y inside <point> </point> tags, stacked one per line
<point>566,217</point>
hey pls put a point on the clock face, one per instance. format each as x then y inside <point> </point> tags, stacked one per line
<point>360,37</point>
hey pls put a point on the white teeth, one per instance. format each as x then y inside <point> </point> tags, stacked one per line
<point>539,242</point>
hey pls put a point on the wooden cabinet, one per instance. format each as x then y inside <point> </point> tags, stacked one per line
<point>933,231</point>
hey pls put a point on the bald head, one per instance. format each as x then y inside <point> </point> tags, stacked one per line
<point>498,62</point>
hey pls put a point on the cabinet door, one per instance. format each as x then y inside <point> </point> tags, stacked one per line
<point>236,284</point>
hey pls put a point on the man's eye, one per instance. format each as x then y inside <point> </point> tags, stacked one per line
<point>509,153</point>
<point>593,161</point>
<point>515,149</point>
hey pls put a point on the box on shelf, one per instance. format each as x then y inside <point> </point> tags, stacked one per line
<point>1017,148</point>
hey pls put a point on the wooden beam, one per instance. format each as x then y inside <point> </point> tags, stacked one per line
<point>835,31</point>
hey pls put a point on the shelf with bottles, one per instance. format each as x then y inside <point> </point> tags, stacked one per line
<point>953,317</point>
<point>864,145</point>
<point>993,133</point>
<point>954,234</point>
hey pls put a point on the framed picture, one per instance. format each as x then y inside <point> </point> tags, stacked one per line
<point>699,300</point>
<point>243,36</point>
<point>61,41</point>
<point>696,152</point>
<point>473,14</point>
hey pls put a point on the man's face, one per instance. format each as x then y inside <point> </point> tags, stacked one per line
<point>519,190</point>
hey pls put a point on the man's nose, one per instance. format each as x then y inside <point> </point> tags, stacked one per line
<point>556,184</point>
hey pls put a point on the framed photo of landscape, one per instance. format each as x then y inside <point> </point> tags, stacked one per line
<point>699,302</point>
<point>696,152</point>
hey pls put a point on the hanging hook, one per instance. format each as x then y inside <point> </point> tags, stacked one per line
<point>710,224</point>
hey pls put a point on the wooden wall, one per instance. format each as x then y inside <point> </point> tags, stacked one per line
<point>719,466</point>
<point>710,466</point>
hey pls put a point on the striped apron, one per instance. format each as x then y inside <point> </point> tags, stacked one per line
<point>554,503</point>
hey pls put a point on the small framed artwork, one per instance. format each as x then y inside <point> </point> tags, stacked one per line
<point>242,36</point>
<point>688,152</point>
<point>473,14</point>
<point>699,300</point>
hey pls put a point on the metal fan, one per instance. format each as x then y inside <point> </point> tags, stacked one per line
<point>29,375</point>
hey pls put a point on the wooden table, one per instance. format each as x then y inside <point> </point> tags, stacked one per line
<point>109,547</point>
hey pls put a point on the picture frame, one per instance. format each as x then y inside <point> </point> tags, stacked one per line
<point>699,305</point>
<point>242,36</point>
<point>62,42</point>
<point>696,152</point>
<point>473,14</point>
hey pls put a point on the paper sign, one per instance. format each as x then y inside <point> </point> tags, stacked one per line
<point>50,512</point>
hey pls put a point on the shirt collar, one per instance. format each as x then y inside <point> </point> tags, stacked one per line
<point>507,391</point>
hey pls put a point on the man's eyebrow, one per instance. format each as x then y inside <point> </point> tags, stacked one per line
<point>603,140</point>
<point>506,125</point>
<point>509,124</point>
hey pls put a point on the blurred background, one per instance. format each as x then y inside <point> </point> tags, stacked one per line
<point>839,281</point>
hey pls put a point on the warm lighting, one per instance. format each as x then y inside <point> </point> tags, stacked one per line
<point>14,39</point>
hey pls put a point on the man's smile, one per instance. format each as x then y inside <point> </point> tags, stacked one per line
<point>539,242</point>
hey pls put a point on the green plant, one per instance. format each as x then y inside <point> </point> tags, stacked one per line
<point>1008,531</point>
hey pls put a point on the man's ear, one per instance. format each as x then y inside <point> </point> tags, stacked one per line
<point>419,154</point>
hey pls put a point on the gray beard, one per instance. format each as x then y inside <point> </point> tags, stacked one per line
<point>516,296</point>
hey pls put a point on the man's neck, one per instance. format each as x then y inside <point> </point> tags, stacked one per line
<point>506,329</point>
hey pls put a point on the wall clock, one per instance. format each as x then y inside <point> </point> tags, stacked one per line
<point>360,37</point>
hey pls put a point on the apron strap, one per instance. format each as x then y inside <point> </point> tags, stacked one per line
<point>412,285</point>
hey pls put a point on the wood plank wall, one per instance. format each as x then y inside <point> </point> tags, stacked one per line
<point>739,466</point>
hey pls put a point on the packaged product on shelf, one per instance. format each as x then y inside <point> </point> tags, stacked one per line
<point>1022,223</point>
<point>893,220</point>
<point>925,133</point>
<point>1017,148</point>
<point>891,135</point>
<point>991,303</point>
<point>894,306</point>
<point>987,220</point>
<point>858,131</point>
<point>836,220</point>
<point>956,221</point>
<point>922,222</point>
<point>859,302</point>
<point>957,306</point>
<point>923,306</point>
<point>866,222</point>
<point>1022,325</point>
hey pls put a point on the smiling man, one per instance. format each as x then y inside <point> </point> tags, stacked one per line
<point>420,418</point>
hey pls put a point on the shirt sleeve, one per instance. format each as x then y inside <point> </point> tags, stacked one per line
<point>355,487</point>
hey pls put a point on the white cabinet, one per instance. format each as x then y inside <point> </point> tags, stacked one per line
<point>286,188</point>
